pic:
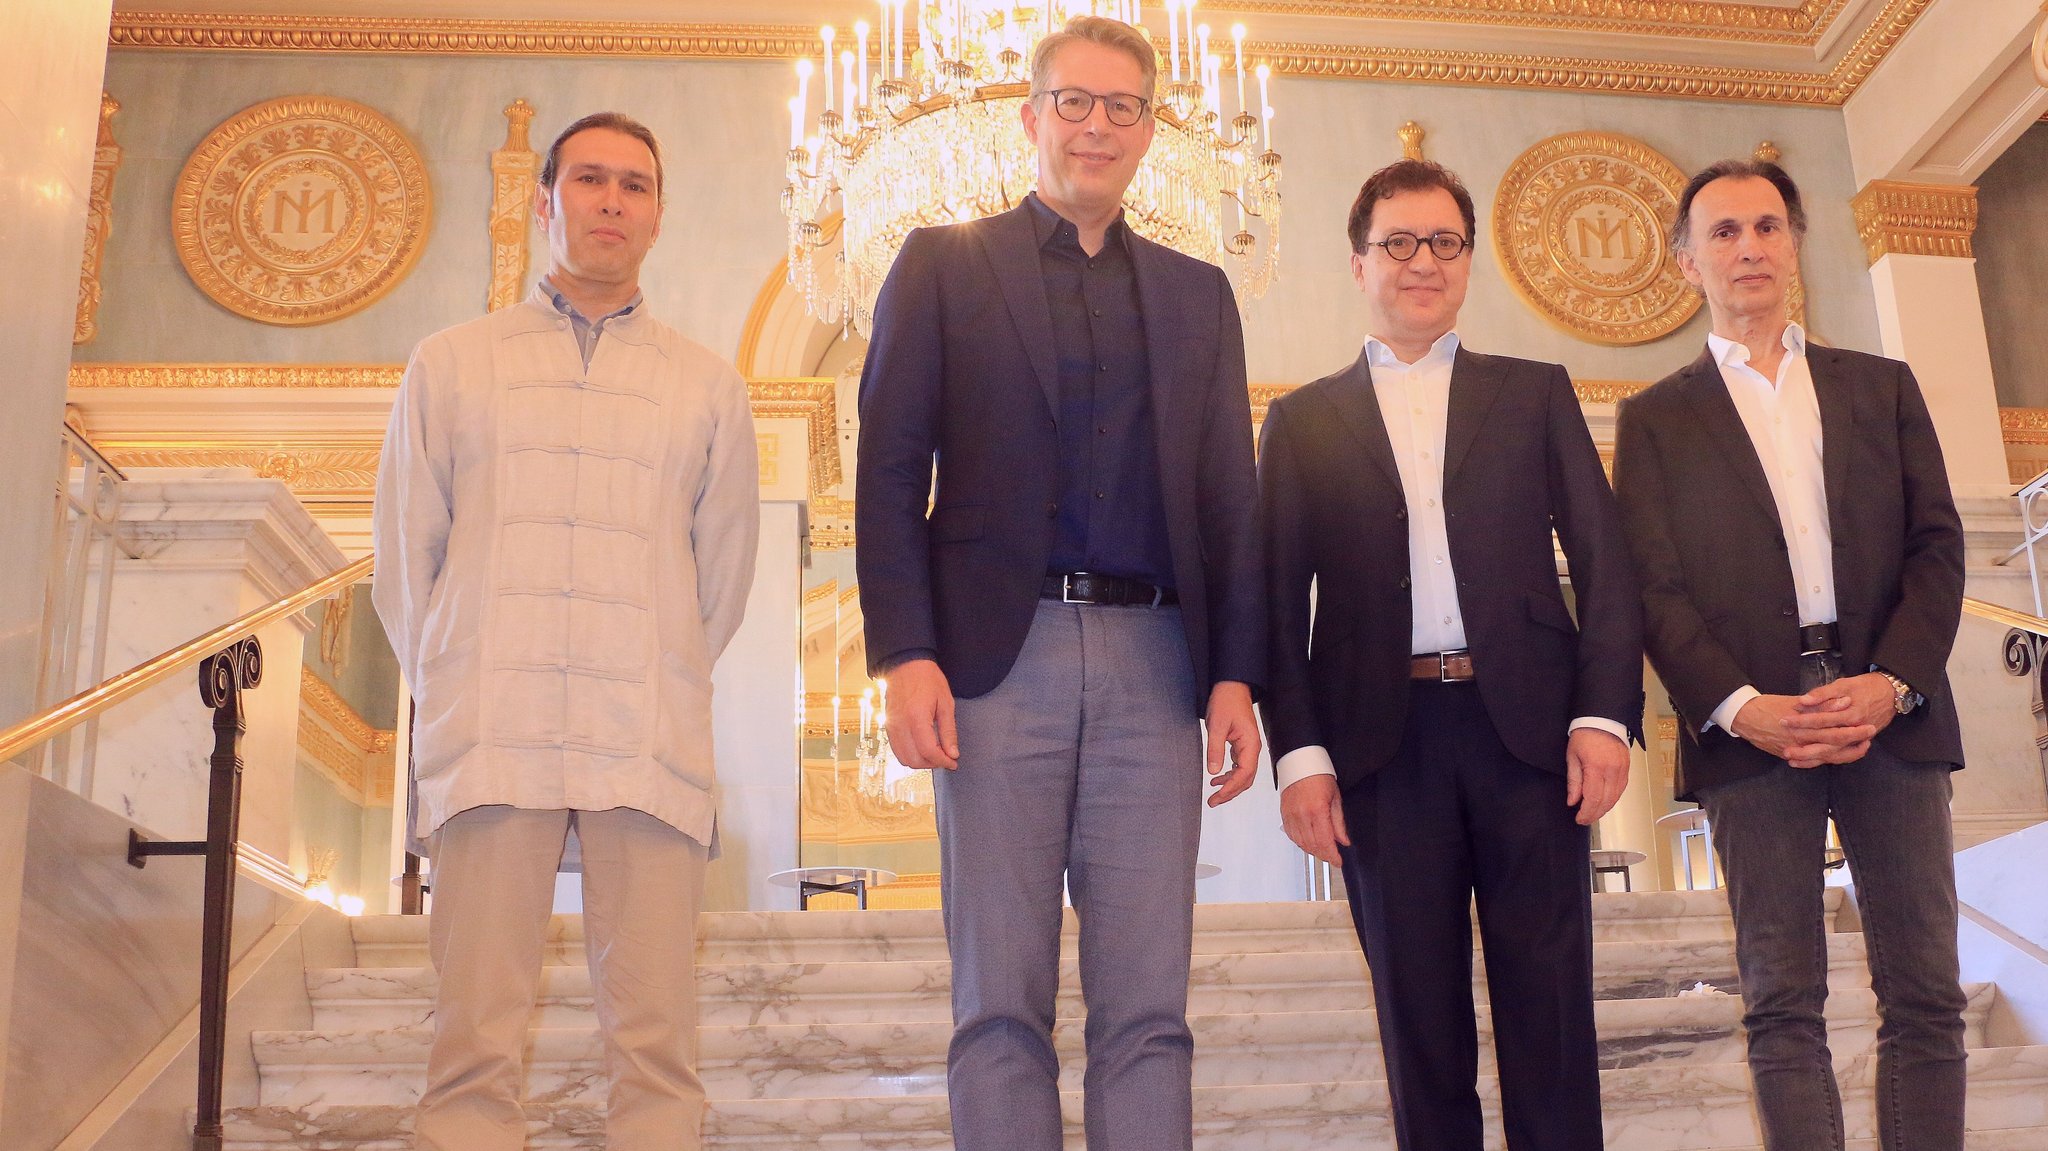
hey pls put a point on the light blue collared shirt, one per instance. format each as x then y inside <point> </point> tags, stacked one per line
<point>587,330</point>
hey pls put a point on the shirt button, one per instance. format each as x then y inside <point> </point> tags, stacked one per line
<point>1400,513</point>
<point>1816,589</point>
<point>1425,455</point>
<point>1447,621</point>
<point>1431,503</point>
<point>1405,581</point>
<point>1439,559</point>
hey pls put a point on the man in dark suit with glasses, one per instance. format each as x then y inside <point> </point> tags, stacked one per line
<point>1443,727</point>
<point>1085,585</point>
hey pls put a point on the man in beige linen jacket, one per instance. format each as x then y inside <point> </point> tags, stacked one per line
<point>566,518</point>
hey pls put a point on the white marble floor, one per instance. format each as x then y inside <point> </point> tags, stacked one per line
<point>828,1030</point>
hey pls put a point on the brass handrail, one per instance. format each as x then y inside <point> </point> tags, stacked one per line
<point>1998,613</point>
<point>94,700</point>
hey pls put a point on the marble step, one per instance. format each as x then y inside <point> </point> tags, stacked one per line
<point>915,990</point>
<point>1220,928</point>
<point>862,1059</point>
<point>1696,1107</point>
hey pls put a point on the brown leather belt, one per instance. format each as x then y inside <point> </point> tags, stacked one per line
<point>1446,666</point>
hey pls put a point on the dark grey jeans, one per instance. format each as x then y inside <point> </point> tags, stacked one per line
<point>1085,763</point>
<point>1893,820</point>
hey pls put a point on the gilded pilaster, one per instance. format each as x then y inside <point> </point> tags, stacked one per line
<point>1898,218</point>
<point>99,222</point>
<point>514,170</point>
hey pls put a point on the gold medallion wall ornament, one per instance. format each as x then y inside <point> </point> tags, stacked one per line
<point>301,210</point>
<point>1580,226</point>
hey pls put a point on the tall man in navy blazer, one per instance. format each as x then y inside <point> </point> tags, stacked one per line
<point>1443,726</point>
<point>1086,584</point>
<point>1802,569</point>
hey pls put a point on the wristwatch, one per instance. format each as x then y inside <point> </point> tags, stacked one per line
<point>1904,698</point>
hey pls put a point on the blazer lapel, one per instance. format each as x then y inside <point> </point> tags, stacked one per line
<point>1359,407</point>
<point>1837,401</point>
<point>1475,383</point>
<point>1158,306</point>
<point>1012,246</point>
<point>1707,392</point>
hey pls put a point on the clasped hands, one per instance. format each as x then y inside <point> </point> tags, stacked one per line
<point>1833,723</point>
<point>924,734</point>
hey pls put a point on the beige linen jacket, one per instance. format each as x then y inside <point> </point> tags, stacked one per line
<point>562,555</point>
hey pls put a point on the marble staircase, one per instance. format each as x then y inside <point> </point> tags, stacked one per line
<point>828,1030</point>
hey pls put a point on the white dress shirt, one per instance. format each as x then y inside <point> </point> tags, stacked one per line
<point>1415,403</point>
<point>1782,418</point>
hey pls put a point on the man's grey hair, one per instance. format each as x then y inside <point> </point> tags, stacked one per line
<point>1096,30</point>
<point>1795,211</point>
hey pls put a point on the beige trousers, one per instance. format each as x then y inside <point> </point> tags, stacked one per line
<point>494,886</point>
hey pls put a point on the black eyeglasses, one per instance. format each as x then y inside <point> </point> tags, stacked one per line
<point>1402,246</point>
<point>1075,105</point>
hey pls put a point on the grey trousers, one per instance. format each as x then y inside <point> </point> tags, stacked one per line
<point>1084,763</point>
<point>494,886</point>
<point>1894,822</point>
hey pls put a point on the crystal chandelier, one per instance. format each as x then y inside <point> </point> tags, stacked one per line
<point>932,136</point>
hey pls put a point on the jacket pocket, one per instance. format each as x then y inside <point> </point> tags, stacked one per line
<point>1549,610</point>
<point>958,523</point>
<point>445,708</point>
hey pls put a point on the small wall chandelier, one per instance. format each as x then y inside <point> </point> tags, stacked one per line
<point>931,135</point>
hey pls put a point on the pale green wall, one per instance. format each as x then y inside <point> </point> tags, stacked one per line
<point>2012,268</point>
<point>723,128</point>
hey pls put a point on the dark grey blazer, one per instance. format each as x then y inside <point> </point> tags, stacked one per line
<point>962,374</point>
<point>1717,580</point>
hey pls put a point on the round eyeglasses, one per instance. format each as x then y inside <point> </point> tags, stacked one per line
<point>1402,246</point>
<point>1075,105</point>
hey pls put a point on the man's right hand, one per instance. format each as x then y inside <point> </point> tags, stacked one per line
<point>1816,738</point>
<point>1312,811</point>
<point>920,725</point>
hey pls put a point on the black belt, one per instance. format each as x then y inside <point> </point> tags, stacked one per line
<point>1106,591</point>
<point>1818,638</point>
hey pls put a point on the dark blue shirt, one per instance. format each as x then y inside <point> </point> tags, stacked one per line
<point>1112,514</point>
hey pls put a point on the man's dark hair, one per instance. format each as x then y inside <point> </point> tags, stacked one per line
<point>617,122</point>
<point>1407,176</point>
<point>1795,212</point>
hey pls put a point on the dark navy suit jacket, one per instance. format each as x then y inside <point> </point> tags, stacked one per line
<point>962,376</point>
<point>1518,463</point>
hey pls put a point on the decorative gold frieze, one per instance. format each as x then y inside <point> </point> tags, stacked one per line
<point>319,697</point>
<point>1686,18</point>
<point>1898,218</point>
<point>814,399</point>
<point>1579,224</point>
<point>1411,135</point>
<point>301,210</point>
<point>99,222</point>
<point>1803,23</point>
<point>310,471</point>
<point>224,32</point>
<point>514,170</point>
<point>87,375</point>
<point>1607,391</point>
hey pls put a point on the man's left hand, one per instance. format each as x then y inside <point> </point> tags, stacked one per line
<point>1847,702</point>
<point>1230,722</point>
<point>1596,773</point>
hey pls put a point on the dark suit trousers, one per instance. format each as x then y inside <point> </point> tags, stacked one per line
<point>1451,817</point>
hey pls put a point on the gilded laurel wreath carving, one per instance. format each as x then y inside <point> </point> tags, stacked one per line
<point>1580,225</point>
<point>301,210</point>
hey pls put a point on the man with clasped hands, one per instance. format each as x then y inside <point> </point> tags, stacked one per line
<point>1802,570</point>
<point>1087,583</point>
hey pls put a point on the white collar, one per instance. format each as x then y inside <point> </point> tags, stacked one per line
<point>1379,355</point>
<point>1728,353</point>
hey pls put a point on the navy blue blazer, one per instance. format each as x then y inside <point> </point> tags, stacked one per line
<point>962,376</point>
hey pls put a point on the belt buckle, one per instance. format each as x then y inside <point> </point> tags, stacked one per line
<point>1067,589</point>
<point>1443,668</point>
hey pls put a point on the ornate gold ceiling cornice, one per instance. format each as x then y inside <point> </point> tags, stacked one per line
<point>1915,219</point>
<point>1803,24</point>
<point>204,32</point>
<point>235,32</point>
<point>90,375</point>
